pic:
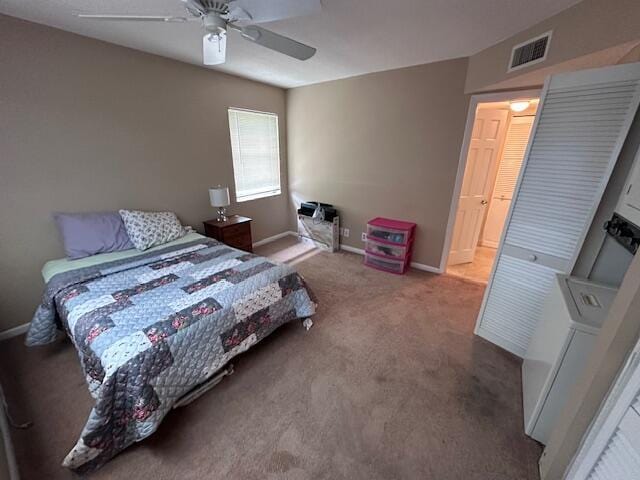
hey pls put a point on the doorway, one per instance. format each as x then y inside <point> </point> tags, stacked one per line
<point>497,144</point>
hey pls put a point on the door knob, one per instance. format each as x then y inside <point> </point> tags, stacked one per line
<point>483,202</point>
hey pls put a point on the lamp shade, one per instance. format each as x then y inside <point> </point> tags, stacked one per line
<point>219,196</point>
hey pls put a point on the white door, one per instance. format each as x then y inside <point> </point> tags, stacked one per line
<point>482,161</point>
<point>513,152</point>
<point>582,122</point>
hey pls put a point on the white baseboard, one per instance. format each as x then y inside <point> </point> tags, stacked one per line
<point>416,265</point>
<point>264,241</point>
<point>426,268</point>
<point>347,248</point>
<point>14,332</point>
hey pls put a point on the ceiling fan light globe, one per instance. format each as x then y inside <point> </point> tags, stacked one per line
<point>214,47</point>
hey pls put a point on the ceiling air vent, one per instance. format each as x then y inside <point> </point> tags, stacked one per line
<point>530,52</point>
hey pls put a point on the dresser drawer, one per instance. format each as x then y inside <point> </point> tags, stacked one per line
<point>236,230</point>
<point>247,247</point>
<point>239,239</point>
<point>386,264</point>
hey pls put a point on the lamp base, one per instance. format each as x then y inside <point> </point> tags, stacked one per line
<point>222,214</point>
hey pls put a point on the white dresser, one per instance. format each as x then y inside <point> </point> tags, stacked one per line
<point>570,322</point>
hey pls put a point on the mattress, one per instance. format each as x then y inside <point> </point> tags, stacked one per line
<point>53,267</point>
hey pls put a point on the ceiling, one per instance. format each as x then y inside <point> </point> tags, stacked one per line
<point>353,37</point>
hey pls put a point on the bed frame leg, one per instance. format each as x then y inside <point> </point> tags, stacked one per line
<point>307,323</point>
<point>201,389</point>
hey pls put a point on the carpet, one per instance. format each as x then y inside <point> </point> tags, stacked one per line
<point>390,383</point>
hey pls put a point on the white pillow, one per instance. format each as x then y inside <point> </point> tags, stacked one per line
<point>148,229</point>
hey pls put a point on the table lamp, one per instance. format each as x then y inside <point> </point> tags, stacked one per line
<point>219,197</point>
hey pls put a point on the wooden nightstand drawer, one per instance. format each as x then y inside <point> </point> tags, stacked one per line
<point>237,239</point>
<point>235,232</point>
<point>247,247</point>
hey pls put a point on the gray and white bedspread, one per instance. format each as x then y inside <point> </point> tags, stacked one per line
<point>150,328</point>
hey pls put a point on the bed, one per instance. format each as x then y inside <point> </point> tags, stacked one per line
<point>149,327</point>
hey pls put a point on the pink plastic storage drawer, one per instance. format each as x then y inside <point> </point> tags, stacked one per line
<point>386,249</point>
<point>386,264</point>
<point>390,231</point>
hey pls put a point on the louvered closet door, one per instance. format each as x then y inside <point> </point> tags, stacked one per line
<point>620,460</point>
<point>581,125</point>
<point>514,149</point>
<point>611,448</point>
<point>515,146</point>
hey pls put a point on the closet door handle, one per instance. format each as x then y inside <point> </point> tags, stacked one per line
<point>483,202</point>
<point>533,257</point>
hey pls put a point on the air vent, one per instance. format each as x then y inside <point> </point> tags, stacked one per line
<point>530,52</point>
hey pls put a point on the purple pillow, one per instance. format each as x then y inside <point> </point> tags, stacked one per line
<point>86,234</point>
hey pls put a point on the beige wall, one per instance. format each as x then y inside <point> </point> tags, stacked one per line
<point>586,28</point>
<point>383,144</point>
<point>86,126</point>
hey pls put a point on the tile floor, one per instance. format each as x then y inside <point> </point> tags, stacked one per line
<point>478,270</point>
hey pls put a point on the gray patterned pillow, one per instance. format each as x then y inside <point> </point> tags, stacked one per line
<point>148,229</point>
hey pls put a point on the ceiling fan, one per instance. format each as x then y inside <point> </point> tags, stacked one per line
<point>218,16</point>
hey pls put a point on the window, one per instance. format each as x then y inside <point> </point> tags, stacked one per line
<point>256,154</point>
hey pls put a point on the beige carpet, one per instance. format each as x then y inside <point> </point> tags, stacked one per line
<point>389,384</point>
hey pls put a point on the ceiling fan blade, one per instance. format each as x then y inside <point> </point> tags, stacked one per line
<point>276,42</point>
<point>195,7</point>
<point>260,11</point>
<point>214,49</point>
<point>135,18</point>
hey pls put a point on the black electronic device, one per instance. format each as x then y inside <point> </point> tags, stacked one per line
<point>626,233</point>
<point>308,208</point>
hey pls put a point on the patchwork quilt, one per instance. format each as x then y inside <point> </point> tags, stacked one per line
<point>150,328</point>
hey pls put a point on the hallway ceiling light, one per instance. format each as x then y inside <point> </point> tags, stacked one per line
<point>519,105</point>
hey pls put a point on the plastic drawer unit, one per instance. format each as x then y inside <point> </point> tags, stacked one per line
<point>389,244</point>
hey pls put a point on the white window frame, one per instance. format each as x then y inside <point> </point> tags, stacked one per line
<point>236,161</point>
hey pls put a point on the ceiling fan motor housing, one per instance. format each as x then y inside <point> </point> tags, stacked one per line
<point>214,24</point>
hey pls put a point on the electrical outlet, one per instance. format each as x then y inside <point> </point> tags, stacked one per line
<point>363,237</point>
<point>345,232</point>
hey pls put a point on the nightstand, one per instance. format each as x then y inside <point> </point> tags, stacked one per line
<point>235,232</point>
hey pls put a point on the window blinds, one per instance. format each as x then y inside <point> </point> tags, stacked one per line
<point>256,154</point>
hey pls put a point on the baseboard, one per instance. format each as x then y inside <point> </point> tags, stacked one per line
<point>347,248</point>
<point>416,265</point>
<point>264,241</point>
<point>426,268</point>
<point>14,332</point>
